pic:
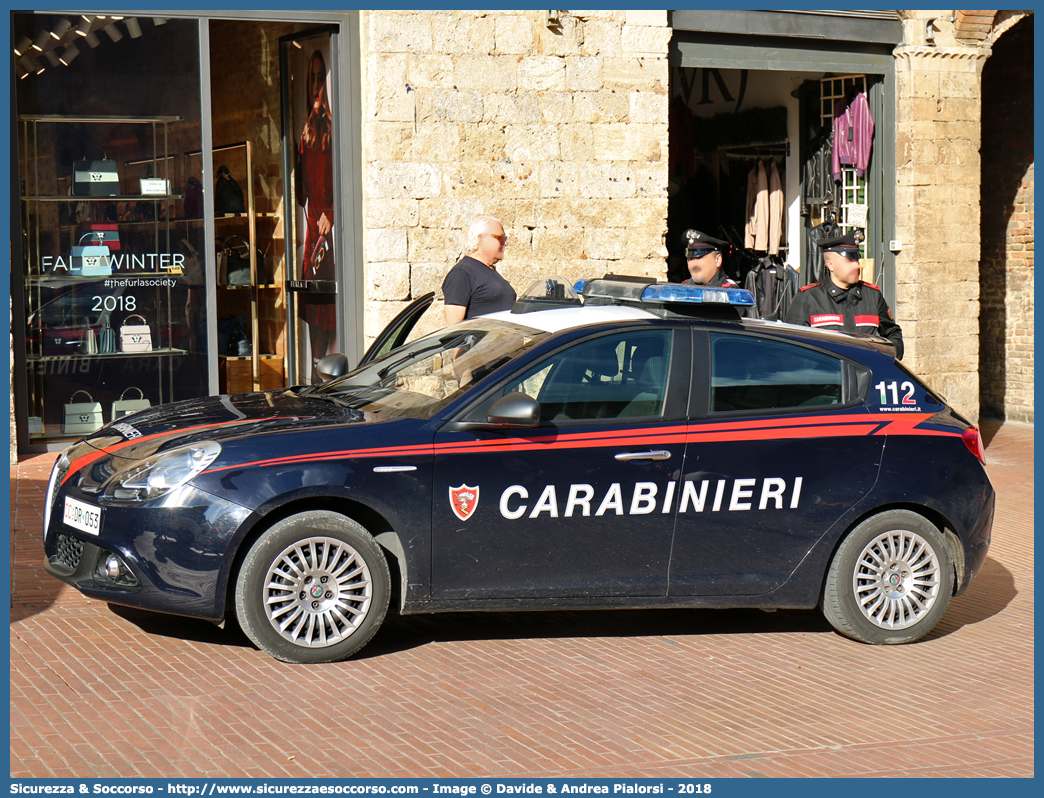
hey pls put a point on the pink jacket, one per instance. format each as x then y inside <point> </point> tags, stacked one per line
<point>853,134</point>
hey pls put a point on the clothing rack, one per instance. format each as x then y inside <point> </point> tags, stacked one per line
<point>752,151</point>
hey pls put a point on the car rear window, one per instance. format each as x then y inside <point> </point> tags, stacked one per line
<point>752,373</point>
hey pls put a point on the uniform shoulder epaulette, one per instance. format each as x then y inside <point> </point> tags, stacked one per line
<point>871,285</point>
<point>810,285</point>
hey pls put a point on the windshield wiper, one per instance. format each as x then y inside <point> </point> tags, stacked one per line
<point>354,413</point>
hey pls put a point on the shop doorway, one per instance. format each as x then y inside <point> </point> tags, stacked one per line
<point>751,163</point>
<point>279,300</point>
<point>756,93</point>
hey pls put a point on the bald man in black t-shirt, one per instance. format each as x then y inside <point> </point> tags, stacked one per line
<point>473,287</point>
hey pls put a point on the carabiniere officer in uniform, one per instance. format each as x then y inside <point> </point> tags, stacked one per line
<point>845,302</point>
<point>703,257</point>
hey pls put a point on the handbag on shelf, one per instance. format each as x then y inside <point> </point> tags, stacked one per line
<point>81,418</point>
<point>95,178</point>
<point>233,339</point>
<point>106,339</point>
<point>125,407</point>
<point>234,262</point>
<point>90,260</point>
<point>90,342</point>
<point>64,339</point>
<point>107,233</point>
<point>228,196</point>
<point>135,337</point>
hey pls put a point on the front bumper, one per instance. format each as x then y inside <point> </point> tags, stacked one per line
<point>175,553</point>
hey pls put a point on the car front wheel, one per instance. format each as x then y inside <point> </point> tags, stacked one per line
<point>890,580</point>
<point>313,588</point>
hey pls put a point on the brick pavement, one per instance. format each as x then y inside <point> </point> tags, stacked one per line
<point>107,692</point>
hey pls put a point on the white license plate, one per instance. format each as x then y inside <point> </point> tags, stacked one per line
<point>82,516</point>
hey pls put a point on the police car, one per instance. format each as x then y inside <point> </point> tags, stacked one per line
<point>623,444</point>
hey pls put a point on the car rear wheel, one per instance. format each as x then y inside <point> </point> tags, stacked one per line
<point>313,588</point>
<point>890,581</point>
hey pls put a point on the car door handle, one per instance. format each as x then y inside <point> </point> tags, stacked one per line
<point>661,455</point>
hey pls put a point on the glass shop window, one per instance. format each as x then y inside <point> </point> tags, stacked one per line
<point>110,279</point>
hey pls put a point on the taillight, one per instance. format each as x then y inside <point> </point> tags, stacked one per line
<point>973,441</point>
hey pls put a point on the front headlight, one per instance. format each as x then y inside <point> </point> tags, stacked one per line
<point>161,473</point>
<point>58,472</point>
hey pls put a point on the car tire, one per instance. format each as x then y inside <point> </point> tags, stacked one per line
<point>890,580</point>
<point>313,588</point>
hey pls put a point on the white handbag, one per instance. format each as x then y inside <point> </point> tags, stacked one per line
<point>82,418</point>
<point>135,337</point>
<point>91,259</point>
<point>124,407</point>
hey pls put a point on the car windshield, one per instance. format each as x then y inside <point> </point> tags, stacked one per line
<point>419,378</point>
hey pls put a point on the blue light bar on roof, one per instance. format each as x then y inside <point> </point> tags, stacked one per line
<point>662,293</point>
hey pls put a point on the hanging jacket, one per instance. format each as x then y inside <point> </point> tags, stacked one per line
<point>774,286</point>
<point>817,185</point>
<point>756,234</point>
<point>749,204</point>
<point>853,134</point>
<point>775,215</point>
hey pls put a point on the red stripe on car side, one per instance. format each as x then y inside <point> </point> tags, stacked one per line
<point>904,425</point>
<point>854,424</point>
<point>567,440</point>
<point>848,431</point>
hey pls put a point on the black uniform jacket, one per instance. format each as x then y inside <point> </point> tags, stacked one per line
<point>719,280</point>
<point>862,308</point>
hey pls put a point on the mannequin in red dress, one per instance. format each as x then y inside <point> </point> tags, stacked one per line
<point>315,195</point>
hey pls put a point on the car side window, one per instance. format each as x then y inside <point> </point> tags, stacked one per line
<point>616,376</point>
<point>751,373</point>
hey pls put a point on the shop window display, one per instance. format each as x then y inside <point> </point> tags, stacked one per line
<point>107,273</point>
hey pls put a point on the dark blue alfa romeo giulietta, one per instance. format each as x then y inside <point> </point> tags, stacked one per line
<point>626,444</point>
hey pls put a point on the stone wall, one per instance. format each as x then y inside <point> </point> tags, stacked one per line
<point>1006,323</point>
<point>560,132</point>
<point>938,114</point>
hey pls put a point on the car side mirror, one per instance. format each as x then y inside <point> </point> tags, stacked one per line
<point>515,410</point>
<point>332,366</point>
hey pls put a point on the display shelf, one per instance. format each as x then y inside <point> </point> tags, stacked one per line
<point>110,118</point>
<point>117,355</point>
<point>264,293</point>
<point>110,198</point>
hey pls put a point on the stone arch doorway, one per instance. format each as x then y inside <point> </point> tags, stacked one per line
<point>1006,260</point>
